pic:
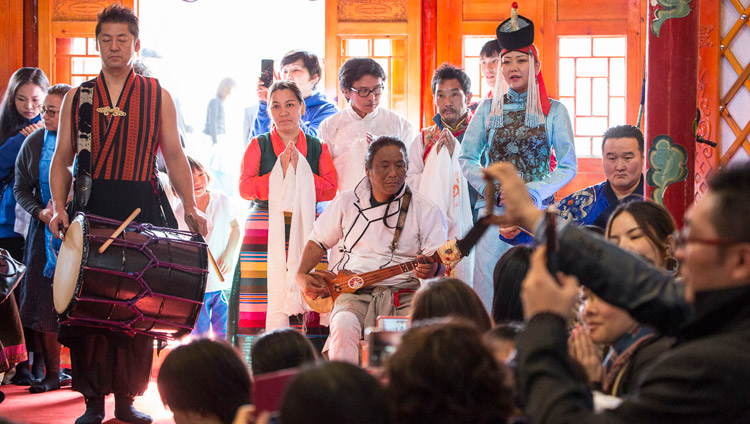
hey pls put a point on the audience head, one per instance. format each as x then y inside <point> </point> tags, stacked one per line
<point>501,340</point>
<point>451,88</point>
<point>509,273</point>
<point>622,158</point>
<point>385,166</point>
<point>361,80</point>
<point>334,392</point>
<point>645,228</point>
<point>606,323</point>
<point>443,373</point>
<point>281,349</point>
<point>21,101</point>
<point>52,103</point>
<point>303,68</point>
<point>285,105</point>
<point>449,297</point>
<point>489,57</point>
<point>204,381</point>
<point>714,250</point>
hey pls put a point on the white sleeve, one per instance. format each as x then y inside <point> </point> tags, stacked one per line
<point>324,134</point>
<point>179,213</point>
<point>407,131</point>
<point>328,230</point>
<point>416,164</point>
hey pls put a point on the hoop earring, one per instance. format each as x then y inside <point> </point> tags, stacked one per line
<point>671,263</point>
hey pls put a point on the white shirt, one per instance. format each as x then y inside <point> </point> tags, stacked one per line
<point>352,222</point>
<point>345,129</point>
<point>220,214</point>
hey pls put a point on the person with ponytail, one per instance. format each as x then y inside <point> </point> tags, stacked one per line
<point>521,125</point>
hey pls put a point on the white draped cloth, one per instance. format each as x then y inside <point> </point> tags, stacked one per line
<point>443,182</point>
<point>345,133</point>
<point>293,193</point>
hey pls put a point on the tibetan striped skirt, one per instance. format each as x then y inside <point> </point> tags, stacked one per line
<point>249,297</point>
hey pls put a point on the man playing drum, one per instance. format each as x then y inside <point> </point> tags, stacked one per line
<point>363,222</point>
<point>114,125</point>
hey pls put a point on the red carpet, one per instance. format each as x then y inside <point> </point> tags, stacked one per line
<point>64,406</point>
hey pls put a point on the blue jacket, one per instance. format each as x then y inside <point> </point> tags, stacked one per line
<point>317,109</point>
<point>593,205</point>
<point>8,152</point>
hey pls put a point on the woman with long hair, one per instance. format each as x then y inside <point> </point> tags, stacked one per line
<point>19,117</point>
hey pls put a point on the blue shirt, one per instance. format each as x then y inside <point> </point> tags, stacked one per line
<point>317,109</point>
<point>8,153</point>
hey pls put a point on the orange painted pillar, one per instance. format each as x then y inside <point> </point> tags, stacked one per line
<point>671,93</point>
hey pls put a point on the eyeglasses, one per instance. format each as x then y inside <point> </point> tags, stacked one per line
<point>682,239</point>
<point>49,112</point>
<point>365,92</point>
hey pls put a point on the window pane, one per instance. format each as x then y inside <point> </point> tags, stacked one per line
<point>356,47</point>
<point>567,77</point>
<point>616,111</point>
<point>617,77</point>
<point>473,45</point>
<point>583,146</point>
<point>575,47</point>
<point>594,126</point>
<point>583,96</point>
<point>86,65</point>
<point>91,46</point>
<point>382,47</point>
<point>596,146</point>
<point>591,68</point>
<point>76,81</point>
<point>599,97</point>
<point>570,104</point>
<point>78,46</point>
<point>609,46</point>
<point>471,66</point>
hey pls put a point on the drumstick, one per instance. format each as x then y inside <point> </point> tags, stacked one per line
<point>191,222</point>
<point>119,230</point>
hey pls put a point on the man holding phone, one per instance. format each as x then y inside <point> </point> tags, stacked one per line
<point>303,68</point>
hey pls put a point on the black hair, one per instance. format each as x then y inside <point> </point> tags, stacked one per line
<point>442,372</point>
<point>339,393</point>
<point>357,67</point>
<point>279,350</point>
<point>509,330</point>
<point>379,143</point>
<point>11,122</point>
<point>59,90</point>
<point>309,60</point>
<point>117,14</point>
<point>653,219</point>
<point>449,297</point>
<point>206,377</point>
<point>731,188</point>
<point>447,71</point>
<point>507,277</point>
<point>490,48</point>
<point>624,131</point>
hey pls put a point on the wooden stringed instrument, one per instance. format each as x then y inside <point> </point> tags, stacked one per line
<point>348,282</point>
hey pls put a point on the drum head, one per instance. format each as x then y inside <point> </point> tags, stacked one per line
<point>68,267</point>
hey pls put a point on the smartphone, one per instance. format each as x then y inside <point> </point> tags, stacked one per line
<point>268,390</point>
<point>266,72</point>
<point>392,323</point>
<point>381,345</point>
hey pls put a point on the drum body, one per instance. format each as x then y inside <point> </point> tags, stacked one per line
<point>151,280</point>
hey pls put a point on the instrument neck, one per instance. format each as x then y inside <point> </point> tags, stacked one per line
<point>373,277</point>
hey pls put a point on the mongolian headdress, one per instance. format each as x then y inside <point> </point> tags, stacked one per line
<point>517,34</point>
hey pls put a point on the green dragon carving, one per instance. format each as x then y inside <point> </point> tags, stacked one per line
<point>670,9</point>
<point>667,165</point>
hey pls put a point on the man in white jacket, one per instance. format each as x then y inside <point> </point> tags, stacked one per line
<point>349,132</point>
